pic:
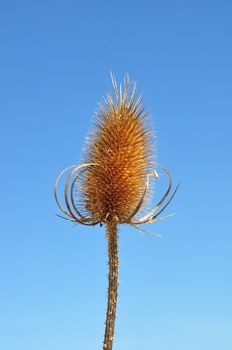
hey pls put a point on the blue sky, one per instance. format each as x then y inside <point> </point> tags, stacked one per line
<point>175,291</point>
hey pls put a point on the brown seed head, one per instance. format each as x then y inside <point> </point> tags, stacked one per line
<point>120,146</point>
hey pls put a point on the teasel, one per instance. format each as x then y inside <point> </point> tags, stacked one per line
<point>112,186</point>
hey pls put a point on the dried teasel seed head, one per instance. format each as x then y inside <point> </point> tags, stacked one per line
<point>121,146</point>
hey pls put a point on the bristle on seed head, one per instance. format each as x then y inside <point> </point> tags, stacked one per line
<point>121,147</point>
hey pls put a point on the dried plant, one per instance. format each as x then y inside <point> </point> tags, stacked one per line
<point>113,184</point>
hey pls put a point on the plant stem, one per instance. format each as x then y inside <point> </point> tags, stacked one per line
<point>112,238</point>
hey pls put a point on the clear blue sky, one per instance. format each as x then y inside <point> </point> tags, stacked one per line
<point>175,291</point>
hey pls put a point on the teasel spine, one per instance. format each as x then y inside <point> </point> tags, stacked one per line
<point>112,239</point>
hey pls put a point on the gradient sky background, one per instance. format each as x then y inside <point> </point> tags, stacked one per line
<point>175,291</point>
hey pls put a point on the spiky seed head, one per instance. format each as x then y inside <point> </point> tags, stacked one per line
<point>121,146</point>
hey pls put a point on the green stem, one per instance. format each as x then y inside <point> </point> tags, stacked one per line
<point>112,238</point>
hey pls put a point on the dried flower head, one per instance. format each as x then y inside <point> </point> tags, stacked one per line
<point>121,148</point>
<point>112,185</point>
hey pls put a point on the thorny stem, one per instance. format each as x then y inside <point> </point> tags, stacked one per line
<point>112,238</point>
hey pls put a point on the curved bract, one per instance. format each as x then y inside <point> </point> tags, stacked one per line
<point>74,214</point>
<point>77,217</point>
